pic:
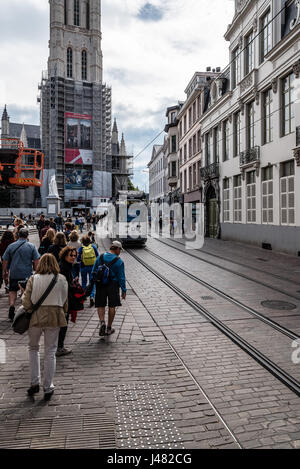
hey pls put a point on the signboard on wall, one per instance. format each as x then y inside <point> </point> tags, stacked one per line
<point>78,179</point>
<point>78,139</point>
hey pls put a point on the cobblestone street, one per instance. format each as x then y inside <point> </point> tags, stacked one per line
<point>168,378</point>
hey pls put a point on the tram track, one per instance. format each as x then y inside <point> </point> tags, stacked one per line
<point>283,376</point>
<point>247,277</point>
<point>229,298</point>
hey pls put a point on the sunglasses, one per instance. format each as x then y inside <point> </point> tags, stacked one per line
<point>72,255</point>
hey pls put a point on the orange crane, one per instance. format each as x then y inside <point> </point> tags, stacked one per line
<point>19,166</point>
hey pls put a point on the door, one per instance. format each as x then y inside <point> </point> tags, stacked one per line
<point>213,218</point>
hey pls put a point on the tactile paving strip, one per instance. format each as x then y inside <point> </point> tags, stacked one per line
<point>96,431</point>
<point>144,419</point>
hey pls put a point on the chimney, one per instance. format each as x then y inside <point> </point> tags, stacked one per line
<point>208,69</point>
<point>218,69</point>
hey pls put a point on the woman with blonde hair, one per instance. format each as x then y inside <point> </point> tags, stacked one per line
<point>18,225</point>
<point>47,320</point>
<point>47,241</point>
<point>75,244</point>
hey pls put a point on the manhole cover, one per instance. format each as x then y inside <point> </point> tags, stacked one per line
<point>280,305</point>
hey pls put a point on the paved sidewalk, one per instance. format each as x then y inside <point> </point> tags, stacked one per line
<point>129,391</point>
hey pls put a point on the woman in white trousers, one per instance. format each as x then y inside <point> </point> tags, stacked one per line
<point>47,320</point>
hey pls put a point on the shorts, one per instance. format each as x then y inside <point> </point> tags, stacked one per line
<point>14,284</point>
<point>109,292</point>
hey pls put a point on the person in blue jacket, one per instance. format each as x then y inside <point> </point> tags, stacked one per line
<point>110,293</point>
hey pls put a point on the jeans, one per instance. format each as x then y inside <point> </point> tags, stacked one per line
<point>86,271</point>
<point>50,346</point>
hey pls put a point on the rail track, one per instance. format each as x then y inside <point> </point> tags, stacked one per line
<point>247,277</point>
<point>283,376</point>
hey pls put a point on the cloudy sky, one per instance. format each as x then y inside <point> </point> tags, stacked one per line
<point>151,51</point>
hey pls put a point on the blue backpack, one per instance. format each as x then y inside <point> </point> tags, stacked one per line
<point>103,276</point>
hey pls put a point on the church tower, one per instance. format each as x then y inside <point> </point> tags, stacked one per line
<point>5,124</point>
<point>76,106</point>
<point>75,40</point>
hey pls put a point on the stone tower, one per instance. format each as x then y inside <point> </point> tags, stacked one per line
<point>75,40</point>
<point>5,124</point>
<point>76,105</point>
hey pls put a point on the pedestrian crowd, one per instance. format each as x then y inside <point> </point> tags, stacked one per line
<point>64,271</point>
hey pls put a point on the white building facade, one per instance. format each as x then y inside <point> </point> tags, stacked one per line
<point>158,173</point>
<point>250,176</point>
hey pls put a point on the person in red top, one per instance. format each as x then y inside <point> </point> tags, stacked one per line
<point>6,240</point>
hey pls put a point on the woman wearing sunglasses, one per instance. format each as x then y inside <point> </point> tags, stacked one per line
<point>67,258</point>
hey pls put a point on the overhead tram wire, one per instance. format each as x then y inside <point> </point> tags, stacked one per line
<point>222,74</point>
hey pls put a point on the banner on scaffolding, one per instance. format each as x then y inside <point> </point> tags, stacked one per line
<point>78,139</point>
<point>78,179</point>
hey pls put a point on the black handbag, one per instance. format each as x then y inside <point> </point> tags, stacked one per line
<point>22,319</point>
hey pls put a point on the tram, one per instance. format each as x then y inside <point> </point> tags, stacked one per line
<point>20,167</point>
<point>129,220</point>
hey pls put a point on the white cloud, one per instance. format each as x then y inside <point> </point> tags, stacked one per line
<point>147,63</point>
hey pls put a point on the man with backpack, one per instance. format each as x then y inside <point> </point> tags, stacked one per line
<point>109,276</point>
<point>87,256</point>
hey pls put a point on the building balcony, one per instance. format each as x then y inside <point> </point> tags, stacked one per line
<point>249,82</point>
<point>250,157</point>
<point>210,172</point>
<point>172,181</point>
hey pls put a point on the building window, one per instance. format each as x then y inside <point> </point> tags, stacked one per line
<point>237,199</point>
<point>267,195</point>
<point>235,67</point>
<point>185,152</point>
<point>173,144</point>
<point>251,197</point>
<point>198,107</point>
<point>199,143</point>
<point>194,175</point>
<point>287,193</point>
<point>185,180</point>
<point>181,188</point>
<point>69,63</point>
<point>190,148</point>
<point>194,145</point>
<point>184,125</point>
<point>226,138</point>
<point>84,65</point>
<point>265,35</point>
<point>88,14</point>
<point>267,117</point>
<point>216,145</point>
<point>249,53</point>
<point>180,157</point>
<point>174,169</point>
<point>208,141</point>
<point>237,134</point>
<point>66,12</point>
<point>226,200</point>
<point>194,112</point>
<point>190,117</point>
<point>180,130</point>
<point>190,178</point>
<point>251,125</point>
<point>288,124</point>
<point>76,13</point>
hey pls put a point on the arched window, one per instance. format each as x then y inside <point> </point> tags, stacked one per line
<point>76,13</point>
<point>84,65</point>
<point>69,63</point>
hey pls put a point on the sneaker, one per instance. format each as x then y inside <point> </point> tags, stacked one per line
<point>63,351</point>
<point>102,329</point>
<point>48,395</point>
<point>11,313</point>
<point>33,390</point>
<point>110,331</point>
<point>92,302</point>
